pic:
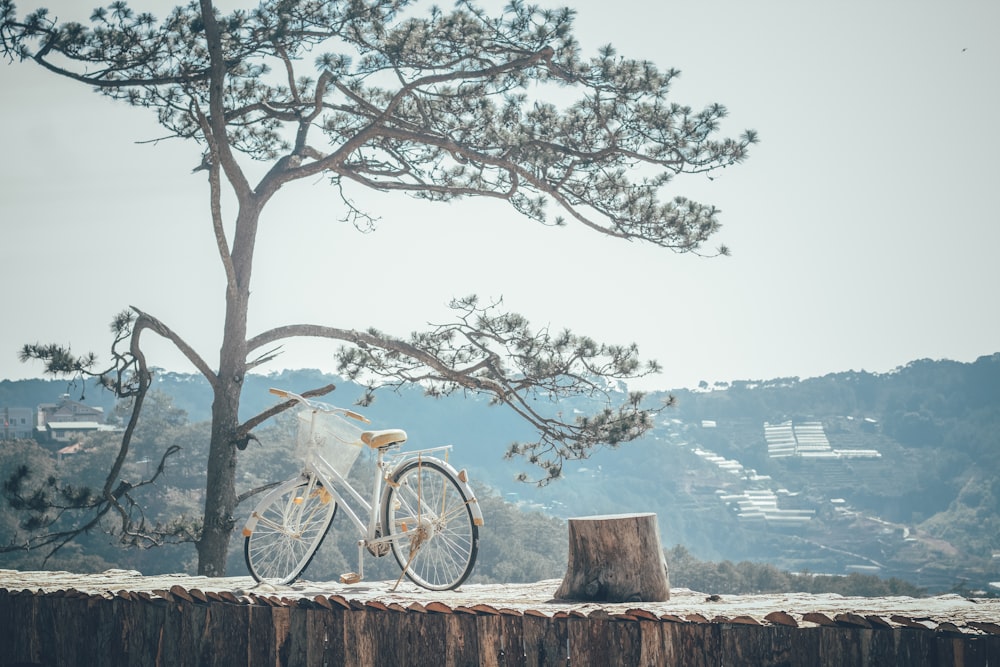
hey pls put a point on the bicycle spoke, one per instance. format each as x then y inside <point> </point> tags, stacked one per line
<point>290,527</point>
<point>435,540</point>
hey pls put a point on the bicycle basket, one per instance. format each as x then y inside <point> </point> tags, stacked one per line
<point>333,437</point>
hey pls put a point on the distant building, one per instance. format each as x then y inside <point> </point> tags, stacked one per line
<point>807,440</point>
<point>67,420</point>
<point>16,423</point>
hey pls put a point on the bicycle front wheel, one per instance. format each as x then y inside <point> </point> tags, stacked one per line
<point>286,528</point>
<point>427,515</point>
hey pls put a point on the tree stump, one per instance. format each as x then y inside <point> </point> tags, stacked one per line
<point>615,558</point>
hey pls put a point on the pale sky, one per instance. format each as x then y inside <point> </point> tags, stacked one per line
<point>864,227</point>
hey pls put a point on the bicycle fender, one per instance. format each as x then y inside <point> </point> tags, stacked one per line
<point>460,477</point>
<point>251,522</point>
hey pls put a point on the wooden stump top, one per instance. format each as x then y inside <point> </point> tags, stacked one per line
<point>612,517</point>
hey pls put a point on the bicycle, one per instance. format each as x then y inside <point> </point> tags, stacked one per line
<point>421,508</point>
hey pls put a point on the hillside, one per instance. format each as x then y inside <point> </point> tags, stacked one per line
<point>892,474</point>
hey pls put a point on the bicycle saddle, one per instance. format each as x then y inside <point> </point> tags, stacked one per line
<point>380,439</point>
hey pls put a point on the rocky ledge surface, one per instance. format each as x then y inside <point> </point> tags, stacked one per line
<point>943,613</point>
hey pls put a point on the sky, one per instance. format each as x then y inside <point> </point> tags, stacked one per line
<point>863,227</point>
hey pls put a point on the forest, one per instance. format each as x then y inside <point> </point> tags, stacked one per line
<point>922,518</point>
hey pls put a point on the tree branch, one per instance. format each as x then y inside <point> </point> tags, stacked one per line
<point>243,431</point>
<point>485,351</point>
<point>147,321</point>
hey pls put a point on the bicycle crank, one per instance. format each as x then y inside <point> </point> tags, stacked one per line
<point>378,549</point>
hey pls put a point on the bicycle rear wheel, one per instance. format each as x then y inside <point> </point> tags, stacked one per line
<point>427,515</point>
<point>286,528</point>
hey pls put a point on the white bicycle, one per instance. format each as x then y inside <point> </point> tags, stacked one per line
<point>421,508</point>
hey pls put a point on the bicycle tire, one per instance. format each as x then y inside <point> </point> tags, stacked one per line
<point>435,539</point>
<point>286,529</point>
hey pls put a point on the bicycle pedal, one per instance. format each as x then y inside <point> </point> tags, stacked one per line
<point>350,578</point>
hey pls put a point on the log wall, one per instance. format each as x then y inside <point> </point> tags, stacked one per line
<point>188,627</point>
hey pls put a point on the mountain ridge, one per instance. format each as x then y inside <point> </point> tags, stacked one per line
<point>926,510</point>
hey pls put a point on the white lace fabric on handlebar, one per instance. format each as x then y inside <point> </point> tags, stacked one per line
<point>334,438</point>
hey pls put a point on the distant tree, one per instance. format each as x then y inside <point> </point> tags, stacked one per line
<point>746,578</point>
<point>440,106</point>
<point>520,546</point>
<point>59,498</point>
<point>25,468</point>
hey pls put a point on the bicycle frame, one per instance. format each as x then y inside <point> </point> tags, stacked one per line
<point>385,463</point>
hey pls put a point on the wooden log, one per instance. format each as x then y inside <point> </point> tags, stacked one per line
<point>461,645</point>
<point>615,558</point>
<point>544,641</point>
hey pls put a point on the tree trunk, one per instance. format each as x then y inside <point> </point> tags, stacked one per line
<point>220,487</point>
<point>615,558</point>
<point>220,490</point>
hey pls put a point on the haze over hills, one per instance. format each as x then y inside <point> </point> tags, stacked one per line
<point>895,474</point>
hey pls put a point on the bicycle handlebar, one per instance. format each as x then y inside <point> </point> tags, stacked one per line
<point>316,405</point>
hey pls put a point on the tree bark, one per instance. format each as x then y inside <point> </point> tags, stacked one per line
<point>615,558</point>
<point>220,491</point>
